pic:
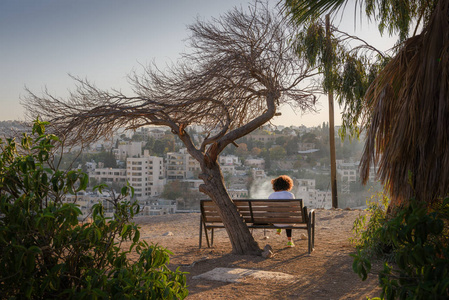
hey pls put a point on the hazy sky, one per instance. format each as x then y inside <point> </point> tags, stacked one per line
<point>103,40</point>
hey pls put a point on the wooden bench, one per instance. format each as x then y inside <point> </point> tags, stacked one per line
<point>261,214</point>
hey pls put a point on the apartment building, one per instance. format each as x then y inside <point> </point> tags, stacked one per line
<point>258,173</point>
<point>347,171</point>
<point>258,163</point>
<point>181,165</point>
<point>307,183</point>
<point>128,149</point>
<point>229,160</point>
<point>109,175</point>
<point>312,198</point>
<point>146,175</point>
<point>264,138</point>
<point>156,133</point>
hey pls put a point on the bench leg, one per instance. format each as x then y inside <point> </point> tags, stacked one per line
<point>207,237</point>
<point>309,238</point>
<point>202,224</point>
<point>211,239</point>
<point>201,232</point>
<point>313,231</point>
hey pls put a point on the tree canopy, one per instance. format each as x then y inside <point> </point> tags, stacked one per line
<point>47,253</point>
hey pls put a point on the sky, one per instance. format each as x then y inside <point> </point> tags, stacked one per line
<point>41,42</point>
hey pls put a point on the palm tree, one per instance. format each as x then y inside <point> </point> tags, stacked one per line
<point>406,108</point>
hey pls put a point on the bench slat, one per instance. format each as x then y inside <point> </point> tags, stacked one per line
<point>276,221</point>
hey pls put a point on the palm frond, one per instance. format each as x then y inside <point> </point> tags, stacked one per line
<point>408,127</point>
<point>301,10</point>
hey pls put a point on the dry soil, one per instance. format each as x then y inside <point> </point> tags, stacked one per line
<point>325,274</point>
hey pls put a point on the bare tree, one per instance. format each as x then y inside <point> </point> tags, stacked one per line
<point>240,70</point>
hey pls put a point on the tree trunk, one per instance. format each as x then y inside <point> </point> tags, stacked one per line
<point>241,238</point>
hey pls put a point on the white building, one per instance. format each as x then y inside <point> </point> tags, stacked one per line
<point>312,197</point>
<point>347,175</point>
<point>258,163</point>
<point>146,175</point>
<point>238,193</point>
<point>347,171</point>
<point>258,173</point>
<point>128,149</point>
<point>308,183</point>
<point>229,160</point>
<point>157,207</point>
<point>156,133</point>
<point>109,175</point>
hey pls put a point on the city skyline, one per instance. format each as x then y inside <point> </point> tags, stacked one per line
<point>103,41</point>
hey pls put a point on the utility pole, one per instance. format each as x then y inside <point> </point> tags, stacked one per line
<point>331,117</point>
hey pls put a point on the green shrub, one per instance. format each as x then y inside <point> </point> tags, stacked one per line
<point>420,267</point>
<point>366,230</point>
<point>46,253</point>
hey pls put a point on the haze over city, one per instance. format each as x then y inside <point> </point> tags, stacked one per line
<point>103,41</point>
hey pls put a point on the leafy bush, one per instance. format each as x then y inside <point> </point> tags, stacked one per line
<point>366,231</point>
<point>419,238</point>
<point>46,253</point>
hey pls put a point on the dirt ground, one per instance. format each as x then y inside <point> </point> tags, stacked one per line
<point>325,274</point>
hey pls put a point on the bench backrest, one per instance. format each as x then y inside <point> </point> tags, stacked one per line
<point>259,211</point>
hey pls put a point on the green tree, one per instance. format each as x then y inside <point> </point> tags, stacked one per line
<point>106,157</point>
<point>277,153</point>
<point>181,192</point>
<point>169,141</point>
<point>256,151</point>
<point>292,146</point>
<point>159,147</point>
<point>242,150</point>
<point>46,253</point>
<point>175,189</point>
<point>281,140</point>
<point>138,137</point>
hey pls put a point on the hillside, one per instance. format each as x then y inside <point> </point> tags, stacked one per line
<point>325,274</point>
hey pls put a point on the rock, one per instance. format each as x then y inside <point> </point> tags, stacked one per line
<point>303,236</point>
<point>266,237</point>
<point>169,233</point>
<point>268,252</point>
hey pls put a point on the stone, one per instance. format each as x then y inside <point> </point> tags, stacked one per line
<point>169,233</point>
<point>237,275</point>
<point>268,252</point>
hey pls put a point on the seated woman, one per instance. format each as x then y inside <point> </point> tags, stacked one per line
<point>281,186</point>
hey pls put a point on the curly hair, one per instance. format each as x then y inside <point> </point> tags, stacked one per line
<point>282,183</point>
